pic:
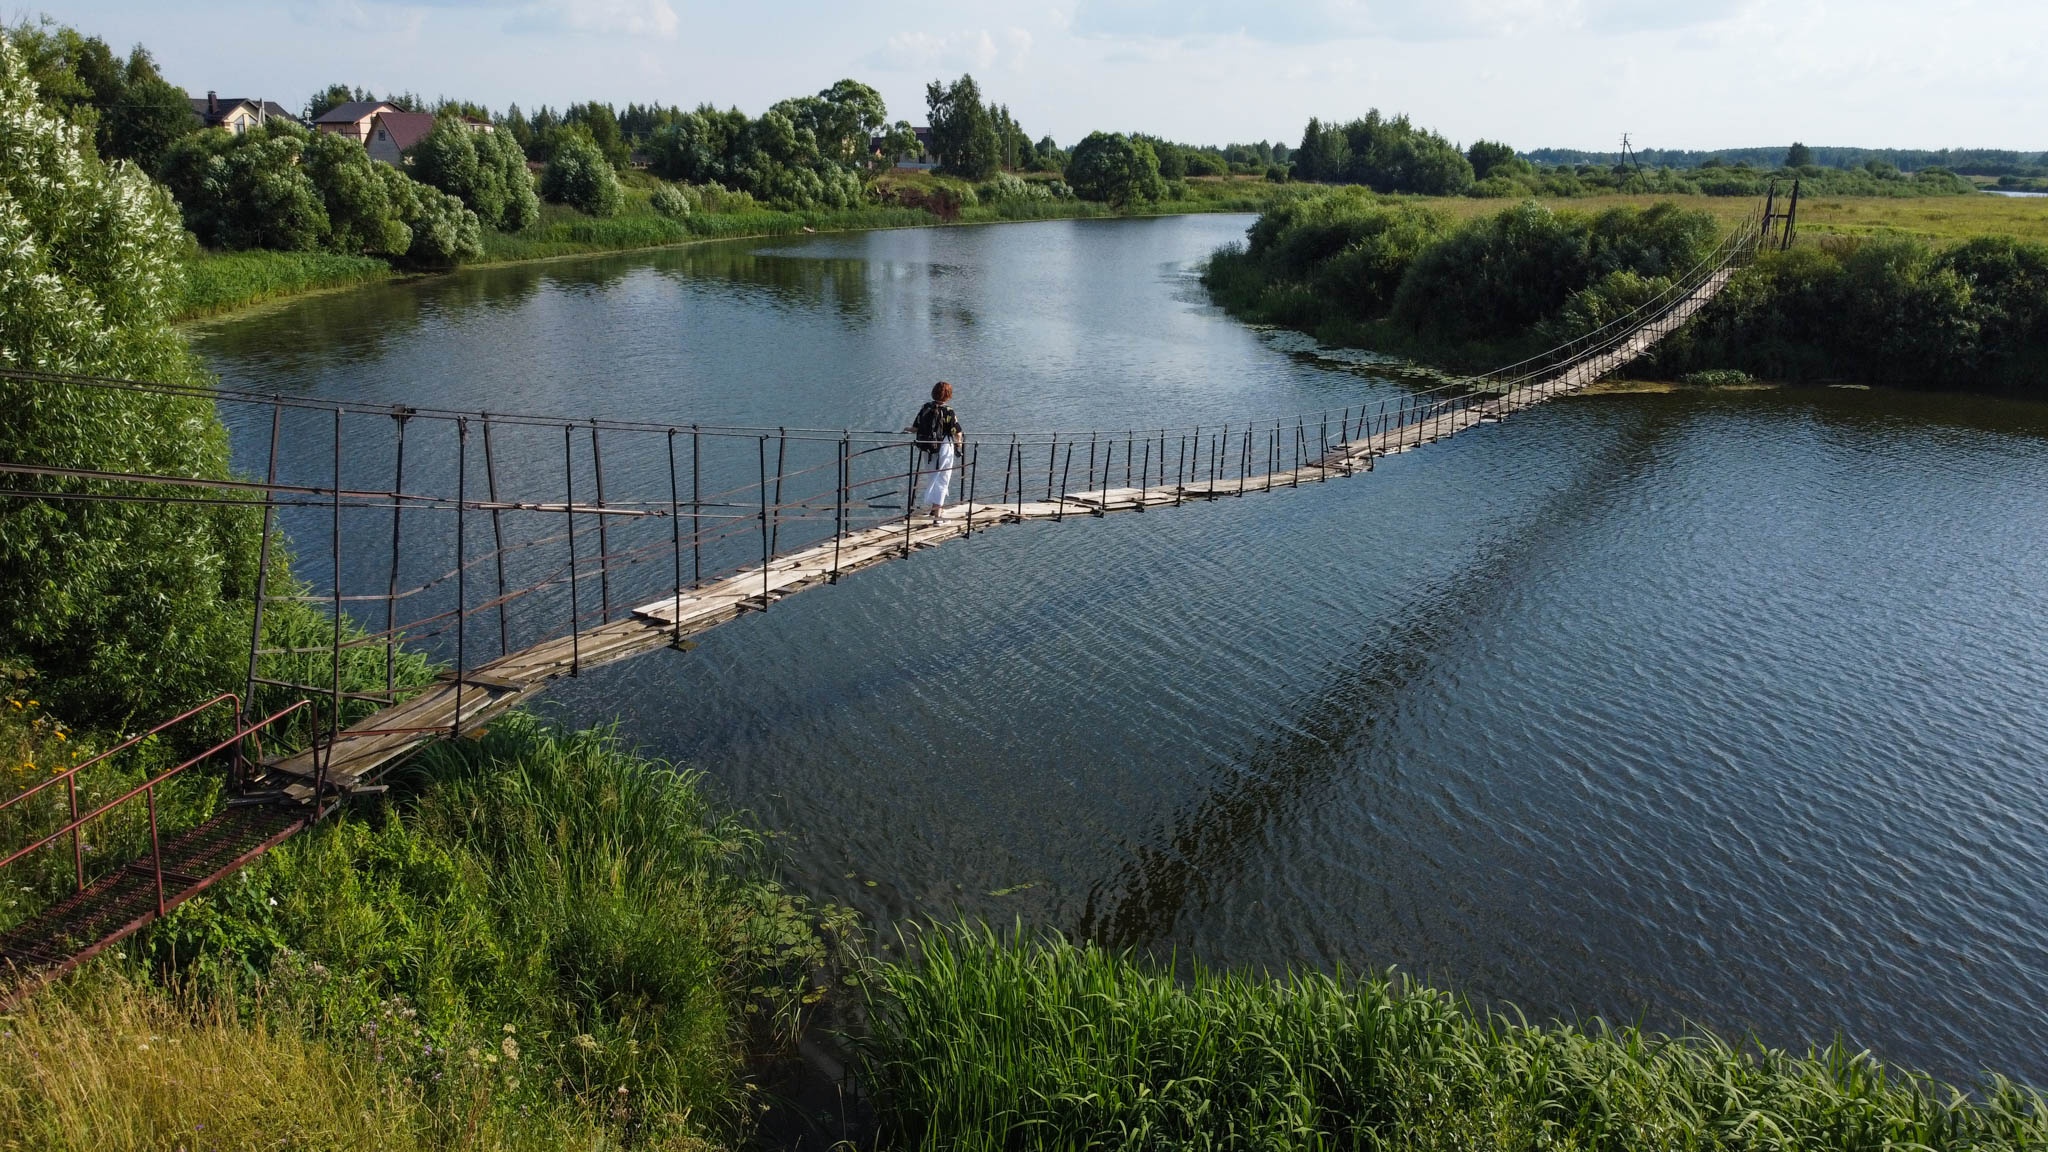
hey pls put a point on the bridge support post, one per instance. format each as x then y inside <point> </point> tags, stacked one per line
<point>262,590</point>
<point>604,550</point>
<point>398,418</point>
<point>569,511</point>
<point>498,528</point>
<point>675,519</point>
<point>462,565</point>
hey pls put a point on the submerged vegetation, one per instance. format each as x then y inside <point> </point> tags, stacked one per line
<point>991,1042</point>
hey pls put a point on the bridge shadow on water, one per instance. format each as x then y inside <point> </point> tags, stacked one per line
<point>1175,873</point>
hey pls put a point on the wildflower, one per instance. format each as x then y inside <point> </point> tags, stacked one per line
<point>490,1057</point>
<point>510,1029</point>
<point>510,1048</point>
<point>585,1041</point>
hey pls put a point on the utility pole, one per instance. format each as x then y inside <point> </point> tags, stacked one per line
<point>1628,155</point>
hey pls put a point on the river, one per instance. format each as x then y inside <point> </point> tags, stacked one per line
<point>1728,708</point>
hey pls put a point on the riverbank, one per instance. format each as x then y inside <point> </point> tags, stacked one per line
<point>1961,309</point>
<point>1007,1042</point>
<point>543,940</point>
<point>221,283</point>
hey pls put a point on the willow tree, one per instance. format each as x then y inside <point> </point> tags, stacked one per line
<point>123,610</point>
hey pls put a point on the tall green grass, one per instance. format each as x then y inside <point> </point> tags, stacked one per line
<point>986,1042</point>
<point>217,282</point>
<point>570,922</point>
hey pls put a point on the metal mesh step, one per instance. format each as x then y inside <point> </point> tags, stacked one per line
<point>116,904</point>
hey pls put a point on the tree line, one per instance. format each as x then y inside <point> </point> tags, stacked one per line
<point>1350,267</point>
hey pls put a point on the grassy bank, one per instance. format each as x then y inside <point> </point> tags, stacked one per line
<point>545,938</point>
<point>1870,303</point>
<point>220,282</point>
<point>990,1043</point>
<point>217,282</point>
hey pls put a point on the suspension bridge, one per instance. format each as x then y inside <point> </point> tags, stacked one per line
<point>516,550</point>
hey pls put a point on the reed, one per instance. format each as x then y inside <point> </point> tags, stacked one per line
<point>1003,1042</point>
<point>217,282</point>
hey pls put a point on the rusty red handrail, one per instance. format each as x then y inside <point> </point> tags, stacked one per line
<point>69,778</point>
<point>148,786</point>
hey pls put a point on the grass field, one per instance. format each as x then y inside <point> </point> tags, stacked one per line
<point>1943,219</point>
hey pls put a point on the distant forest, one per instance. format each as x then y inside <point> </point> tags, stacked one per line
<point>1964,161</point>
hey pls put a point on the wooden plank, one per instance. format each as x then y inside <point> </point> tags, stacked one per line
<point>502,684</point>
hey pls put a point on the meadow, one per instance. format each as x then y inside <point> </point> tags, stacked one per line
<point>1941,220</point>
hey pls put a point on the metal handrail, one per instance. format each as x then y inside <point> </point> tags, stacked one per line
<point>146,788</point>
<point>69,778</point>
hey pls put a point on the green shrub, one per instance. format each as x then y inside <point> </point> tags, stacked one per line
<point>1892,311</point>
<point>670,201</point>
<point>485,170</point>
<point>1115,169</point>
<point>1716,378</point>
<point>578,175</point>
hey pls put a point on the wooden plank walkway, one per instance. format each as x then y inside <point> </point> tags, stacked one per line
<point>366,749</point>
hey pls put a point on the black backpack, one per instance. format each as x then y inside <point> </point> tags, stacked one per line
<point>929,427</point>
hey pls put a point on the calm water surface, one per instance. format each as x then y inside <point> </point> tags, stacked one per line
<point>1724,708</point>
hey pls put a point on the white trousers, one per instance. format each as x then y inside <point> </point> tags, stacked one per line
<point>941,477</point>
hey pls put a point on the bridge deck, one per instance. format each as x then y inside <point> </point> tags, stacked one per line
<point>362,751</point>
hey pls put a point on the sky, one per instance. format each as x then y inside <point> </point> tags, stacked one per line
<point>1534,73</point>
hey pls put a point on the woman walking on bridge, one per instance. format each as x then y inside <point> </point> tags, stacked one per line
<point>939,436</point>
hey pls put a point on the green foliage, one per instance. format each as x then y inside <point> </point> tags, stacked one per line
<point>1892,311</point>
<point>1496,278</point>
<point>132,112</point>
<point>119,606</point>
<point>1798,156</point>
<point>579,175</point>
<point>357,195</point>
<point>597,123</point>
<point>577,914</point>
<point>1385,155</point>
<point>218,282</point>
<point>125,611</point>
<point>331,97</point>
<point>992,1043</point>
<point>1488,156</point>
<point>283,188</point>
<point>1115,169</point>
<point>1336,254</point>
<point>148,115</point>
<point>444,232</point>
<point>485,170</point>
<point>247,191</point>
<point>963,129</point>
<point>805,154</point>
<point>670,201</point>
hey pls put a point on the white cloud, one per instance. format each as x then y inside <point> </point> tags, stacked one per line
<point>967,50</point>
<point>1316,21</point>
<point>603,17</point>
